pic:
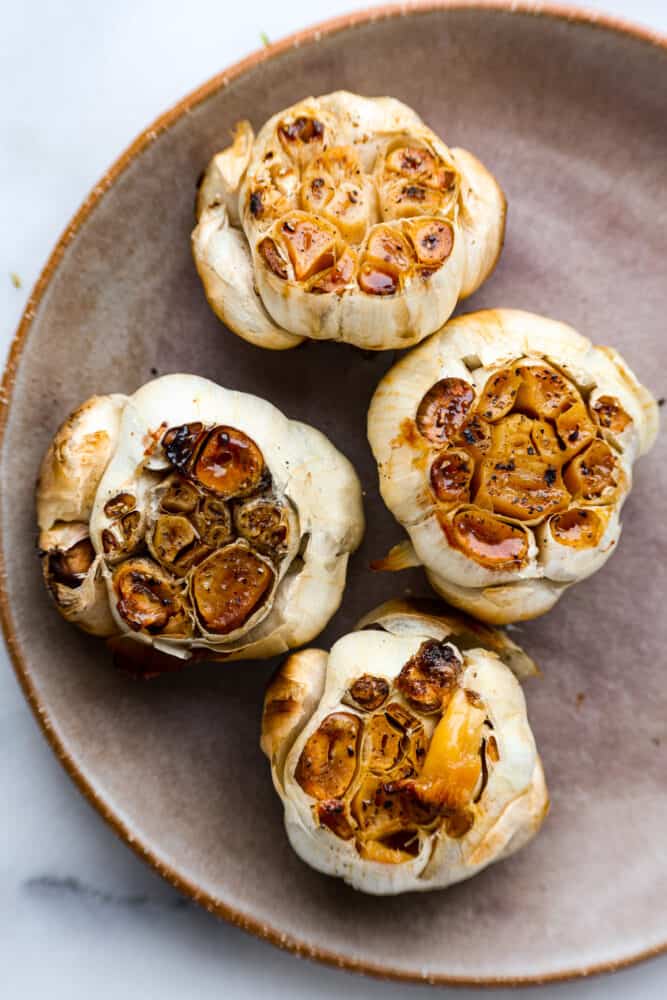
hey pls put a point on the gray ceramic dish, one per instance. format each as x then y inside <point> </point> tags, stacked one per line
<point>570,116</point>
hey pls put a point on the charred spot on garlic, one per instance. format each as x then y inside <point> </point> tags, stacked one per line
<point>221,460</point>
<point>428,678</point>
<point>369,692</point>
<point>148,599</point>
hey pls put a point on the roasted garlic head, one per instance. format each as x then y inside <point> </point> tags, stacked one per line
<point>505,446</point>
<point>403,757</point>
<point>196,520</point>
<point>346,218</point>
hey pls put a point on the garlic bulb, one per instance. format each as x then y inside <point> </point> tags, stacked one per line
<point>197,521</point>
<point>505,446</point>
<point>404,758</point>
<point>346,218</point>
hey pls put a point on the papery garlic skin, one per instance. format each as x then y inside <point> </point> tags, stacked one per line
<point>196,520</point>
<point>505,445</point>
<point>483,804</point>
<point>345,218</point>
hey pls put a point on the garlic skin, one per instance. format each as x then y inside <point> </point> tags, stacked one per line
<point>438,794</point>
<point>196,520</point>
<point>345,218</point>
<point>505,445</point>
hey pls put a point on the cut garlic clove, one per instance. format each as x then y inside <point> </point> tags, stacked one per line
<point>328,760</point>
<point>443,411</point>
<point>268,526</point>
<point>490,541</point>
<point>232,589</point>
<point>594,475</point>
<point>148,600</point>
<point>577,542</point>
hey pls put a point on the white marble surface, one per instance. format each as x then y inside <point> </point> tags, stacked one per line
<point>80,916</point>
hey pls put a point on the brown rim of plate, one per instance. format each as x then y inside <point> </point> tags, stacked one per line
<point>148,136</point>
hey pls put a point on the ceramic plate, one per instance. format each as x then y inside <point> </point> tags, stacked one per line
<point>570,116</point>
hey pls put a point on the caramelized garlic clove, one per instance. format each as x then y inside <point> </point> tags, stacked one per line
<point>213,519</point>
<point>450,476</point>
<point>429,677</point>
<point>148,599</point>
<point>310,243</point>
<point>452,768</point>
<point>267,525</point>
<point>499,393</point>
<point>486,539</point>
<point>369,692</point>
<point>229,464</point>
<point>543,392</point>
<point>593,475</point>
<point>231,587</point>
<point>433,241</point>
<point>328,760</point>
<point>443,410</point>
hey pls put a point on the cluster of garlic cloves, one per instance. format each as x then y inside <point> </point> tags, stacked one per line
<point>403,757</point>
<point>345,218</point>
<point>505,447</point>
<point>192,519</point>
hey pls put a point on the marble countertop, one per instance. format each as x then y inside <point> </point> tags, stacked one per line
<point>81,917</point>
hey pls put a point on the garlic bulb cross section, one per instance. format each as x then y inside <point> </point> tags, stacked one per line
<point>505,445</point>
<point>196,520</point>
<point>403,757</point>
<point>345,218</point>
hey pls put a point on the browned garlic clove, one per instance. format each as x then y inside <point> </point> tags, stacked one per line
<point>229,588</point>
<point>224,460</point>
<point>329,759</point>
<point>442,412</point>
<point>369,692</point>
<point>429,677</point>
<point>148,600</point>
<point>486,538</point>
<point>266,525</point>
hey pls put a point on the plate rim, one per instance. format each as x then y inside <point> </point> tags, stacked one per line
<point>233,915</point>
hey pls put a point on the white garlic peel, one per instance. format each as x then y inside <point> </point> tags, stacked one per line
<point>505,445</point>
<point>404,761</point>
<point>347,219</point>
<point>197,520</point>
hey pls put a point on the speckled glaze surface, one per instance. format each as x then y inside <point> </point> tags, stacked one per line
<point>569,115</point>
